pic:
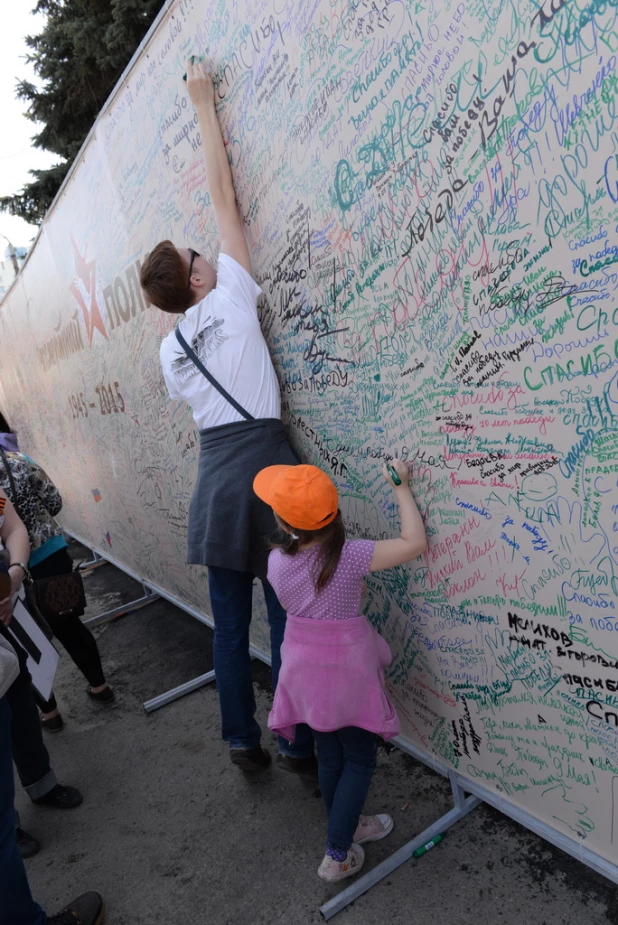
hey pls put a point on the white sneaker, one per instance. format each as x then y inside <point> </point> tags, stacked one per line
<point>332,870</point>
<point>373,828</point>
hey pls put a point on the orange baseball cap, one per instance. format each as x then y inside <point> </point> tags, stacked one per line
<point>304,496</point>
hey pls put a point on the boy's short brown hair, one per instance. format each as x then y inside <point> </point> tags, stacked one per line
<point>164,277</point>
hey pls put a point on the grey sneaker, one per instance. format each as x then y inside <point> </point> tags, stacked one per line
<point>373,828</point>
<point>87,909</point>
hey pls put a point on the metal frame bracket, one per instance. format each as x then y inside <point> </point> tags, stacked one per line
<point>149,597</point>
<point>187,688</point>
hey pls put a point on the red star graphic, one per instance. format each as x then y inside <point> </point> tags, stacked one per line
<point>86,272</point>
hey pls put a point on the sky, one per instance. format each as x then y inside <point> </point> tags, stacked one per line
<point>17,155</point>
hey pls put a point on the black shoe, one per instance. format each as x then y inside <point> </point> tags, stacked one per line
<point>105,696</point>
<point>55,724</point>
<point>306,768</point>
<point>87,909</point>
<point>250,759</point>
<point>26,844</point>
<point>61,798</point>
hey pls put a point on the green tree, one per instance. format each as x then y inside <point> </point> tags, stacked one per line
<point>78,56</point>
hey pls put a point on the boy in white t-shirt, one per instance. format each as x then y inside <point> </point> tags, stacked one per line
<point>218,362</point>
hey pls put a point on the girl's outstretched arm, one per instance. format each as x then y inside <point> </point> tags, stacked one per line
<point>413,541</point>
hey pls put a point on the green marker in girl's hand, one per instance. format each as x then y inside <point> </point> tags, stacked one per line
<point>393,474</point>
<point>193,60</point>
<point>396,472</point>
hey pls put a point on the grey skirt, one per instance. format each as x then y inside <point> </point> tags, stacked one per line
<point>229,526</point>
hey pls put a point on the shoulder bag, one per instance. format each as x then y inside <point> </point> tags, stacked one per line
<point>58,595</point>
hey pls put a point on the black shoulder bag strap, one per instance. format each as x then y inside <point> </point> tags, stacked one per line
<point>196,360</point>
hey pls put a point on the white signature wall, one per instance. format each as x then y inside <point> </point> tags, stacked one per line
<point>430,194</point>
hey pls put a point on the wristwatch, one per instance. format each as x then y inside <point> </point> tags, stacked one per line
<point>20,565</point>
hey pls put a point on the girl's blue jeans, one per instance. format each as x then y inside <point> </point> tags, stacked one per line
<point>346,762</point>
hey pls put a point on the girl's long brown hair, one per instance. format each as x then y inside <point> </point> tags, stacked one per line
<point>331,540</point>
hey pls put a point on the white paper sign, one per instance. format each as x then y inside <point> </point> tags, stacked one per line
<point>42,656</point>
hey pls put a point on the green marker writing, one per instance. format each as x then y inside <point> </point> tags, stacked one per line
<point>393,474</point>
<point>427,847</point>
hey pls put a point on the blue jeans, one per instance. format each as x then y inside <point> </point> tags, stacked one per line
<point>231,598</point>
<point>346,762</point>
<point>29,753</point>
<point>17,906</point>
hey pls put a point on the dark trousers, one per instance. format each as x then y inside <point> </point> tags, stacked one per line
<point>29,753</point>
<point>346,762</point>
<point>17,906</point>
<point>231,599</point>
<point>70,631</point>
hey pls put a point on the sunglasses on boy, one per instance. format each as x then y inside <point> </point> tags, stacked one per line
<point>193,254</point>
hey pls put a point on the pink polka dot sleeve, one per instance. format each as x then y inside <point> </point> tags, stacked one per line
<point>358,556</point>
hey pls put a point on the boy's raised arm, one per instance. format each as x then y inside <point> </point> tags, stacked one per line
<point>218,172</point>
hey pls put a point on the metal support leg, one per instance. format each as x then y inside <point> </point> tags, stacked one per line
<point>149,597</point>
<point>462,807</point>
<point>95,562</point>
<point>195,684</point>
<point>187,688</point>
<point>459,795</point>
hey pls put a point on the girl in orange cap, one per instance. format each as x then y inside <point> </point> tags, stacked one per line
<point>332,674</point>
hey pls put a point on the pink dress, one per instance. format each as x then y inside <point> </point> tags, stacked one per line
<point>333,660</point>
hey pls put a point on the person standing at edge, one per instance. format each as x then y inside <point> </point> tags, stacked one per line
<point>29,752</point>
<point>37,502</point>
<point>218,362</point>
<point>16,902</point>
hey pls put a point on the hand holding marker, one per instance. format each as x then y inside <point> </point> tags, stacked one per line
<point>193,60</point>
<point>393,474</point>
<point>396,472</point>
